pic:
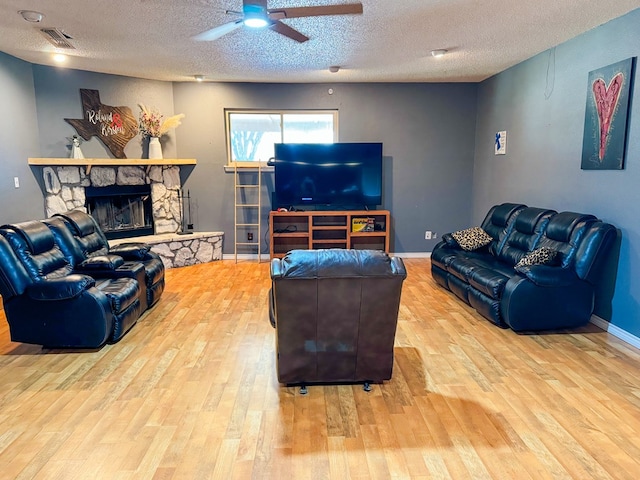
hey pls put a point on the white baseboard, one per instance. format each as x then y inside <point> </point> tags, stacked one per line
<point>245,256</point>
<point>253,256</point>
<point>616,331</point>
<point>412,255</point>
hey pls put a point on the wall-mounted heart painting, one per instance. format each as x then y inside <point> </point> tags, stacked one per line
<point>606,117</point>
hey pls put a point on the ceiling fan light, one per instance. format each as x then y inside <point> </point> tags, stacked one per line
<point>255,16</point>
<point>256,22</point>
<point>199,78</point>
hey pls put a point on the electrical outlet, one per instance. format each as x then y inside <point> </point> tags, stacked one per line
<point>250,236</point>
<point>16,182</point>
<point>427,235</point>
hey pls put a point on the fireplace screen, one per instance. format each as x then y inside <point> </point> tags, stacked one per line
<point>121,211</point>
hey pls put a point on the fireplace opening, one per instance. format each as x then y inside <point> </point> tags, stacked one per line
<point>122,211</point>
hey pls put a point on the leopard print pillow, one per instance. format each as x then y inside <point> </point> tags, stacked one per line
<point>472,238</point>
<point>540,256</point>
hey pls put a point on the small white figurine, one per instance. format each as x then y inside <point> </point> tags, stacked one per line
<point>75,147</point>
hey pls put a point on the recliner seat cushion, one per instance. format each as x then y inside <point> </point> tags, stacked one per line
<point>122,292</point>
<point>491,280</point>
<point>463,264</point>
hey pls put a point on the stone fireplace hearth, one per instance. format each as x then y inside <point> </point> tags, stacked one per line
<point>65,189</point>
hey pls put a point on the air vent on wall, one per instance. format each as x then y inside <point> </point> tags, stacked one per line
<point>57,37</point>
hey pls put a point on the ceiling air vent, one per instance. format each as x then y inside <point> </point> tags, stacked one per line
<point>57,37</point>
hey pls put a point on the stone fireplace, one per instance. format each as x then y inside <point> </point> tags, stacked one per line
<point>66,188</point>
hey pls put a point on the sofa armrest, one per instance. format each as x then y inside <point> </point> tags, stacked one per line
<point>549,276</point>
<point>276,268</point>
<point>528,306</point>
<point>449,241</point>
<point>63,288</point>
<point>398,268</point>
<point>100,263</point>
<point>131,250</point>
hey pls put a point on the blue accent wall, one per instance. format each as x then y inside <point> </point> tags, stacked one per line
<point>541,104</point>
<point>18,141</point>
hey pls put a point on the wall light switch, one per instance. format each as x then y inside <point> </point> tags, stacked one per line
<point>16,182</point>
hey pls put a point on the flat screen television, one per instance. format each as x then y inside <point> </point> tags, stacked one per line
<point>340,175</point>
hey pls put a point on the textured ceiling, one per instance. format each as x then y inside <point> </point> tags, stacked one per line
<point>389,42</point>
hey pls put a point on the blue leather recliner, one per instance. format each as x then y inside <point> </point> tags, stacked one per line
<point>63,287</point>
<point>47,303</point>
<point>81,239</point>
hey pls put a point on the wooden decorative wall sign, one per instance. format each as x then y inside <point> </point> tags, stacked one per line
<point>115,126</point>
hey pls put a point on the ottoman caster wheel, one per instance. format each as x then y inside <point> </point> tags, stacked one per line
<point>366,387</point>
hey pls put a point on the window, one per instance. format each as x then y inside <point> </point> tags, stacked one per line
<point>252,133</point>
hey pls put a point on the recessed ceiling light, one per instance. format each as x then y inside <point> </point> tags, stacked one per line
<point>199,78</point>
<point>31,16</point>
<point>59,58</point>
<point>438,53</point>
<point>334,68</point>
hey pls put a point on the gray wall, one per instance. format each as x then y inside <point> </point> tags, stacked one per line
<point>57,93</point>
<point>427,131</point>
<point>543,114</point>
<point>18,141</point>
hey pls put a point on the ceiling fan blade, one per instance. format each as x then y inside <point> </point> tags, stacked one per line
<point>218,31</point>
<point>287,31</point>
<point>297,12</point>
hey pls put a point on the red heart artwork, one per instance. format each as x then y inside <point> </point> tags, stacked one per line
<point>606,97</point>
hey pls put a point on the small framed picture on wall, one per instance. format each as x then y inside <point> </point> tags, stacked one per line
<point>500,147</point>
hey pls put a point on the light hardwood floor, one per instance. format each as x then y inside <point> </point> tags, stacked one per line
<point>191,393</point>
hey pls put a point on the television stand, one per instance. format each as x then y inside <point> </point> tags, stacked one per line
<point>328,229</point>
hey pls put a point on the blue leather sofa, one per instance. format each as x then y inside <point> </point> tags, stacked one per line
<point>530,297</point>
<point>58,295</point>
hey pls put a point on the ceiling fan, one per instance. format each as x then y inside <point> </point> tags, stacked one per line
<point>256,14</point>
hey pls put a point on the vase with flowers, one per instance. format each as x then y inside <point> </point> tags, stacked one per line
<point>152,125</point>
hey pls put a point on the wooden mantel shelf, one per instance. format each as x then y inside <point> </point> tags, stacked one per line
<point>112,162</point>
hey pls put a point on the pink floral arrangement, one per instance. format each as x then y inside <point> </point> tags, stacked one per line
<point>152,123</point>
